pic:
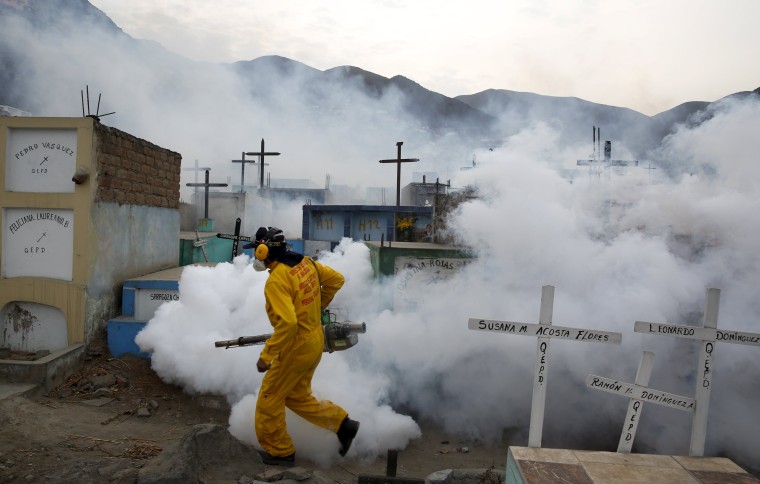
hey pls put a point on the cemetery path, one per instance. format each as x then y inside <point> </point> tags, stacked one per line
<point>71,435</point>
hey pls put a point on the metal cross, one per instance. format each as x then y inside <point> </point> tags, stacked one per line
<point>242,169</point>
<point>398,162</point>
<point>236,238</point>
<point>261,155</point>
<point>196,169</point>
<point>206,186</point>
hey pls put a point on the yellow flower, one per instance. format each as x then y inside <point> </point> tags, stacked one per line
<point>405,223</point>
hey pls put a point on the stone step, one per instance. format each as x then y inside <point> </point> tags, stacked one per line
<point>141,298</point>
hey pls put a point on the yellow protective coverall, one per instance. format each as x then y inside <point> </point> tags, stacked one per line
<point>294,301</point>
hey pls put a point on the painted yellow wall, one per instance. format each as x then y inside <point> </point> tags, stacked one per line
<point>125,219</point>
<point>69,297</point>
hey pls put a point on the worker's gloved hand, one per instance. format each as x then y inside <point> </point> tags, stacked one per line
<point>262,366</point>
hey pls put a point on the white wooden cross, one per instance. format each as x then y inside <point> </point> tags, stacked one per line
<point>639,394</point>
<point>201,243</point>
<point>709,334</point>
<point>544,331</point>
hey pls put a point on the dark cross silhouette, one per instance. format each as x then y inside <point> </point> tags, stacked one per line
<point>261,155</point>
<point>196,169</point>
<point>649,170</point>
<point>398,162</point>
<point>235,238</point>
<point>206,186</point>
<point>242,169</point>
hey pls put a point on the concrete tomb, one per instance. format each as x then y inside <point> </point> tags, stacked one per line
<point>82,207</point>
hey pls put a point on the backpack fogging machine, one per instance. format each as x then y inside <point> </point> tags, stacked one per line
<point>339,336</point>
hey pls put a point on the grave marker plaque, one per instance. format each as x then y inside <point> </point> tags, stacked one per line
<point>40,160</point>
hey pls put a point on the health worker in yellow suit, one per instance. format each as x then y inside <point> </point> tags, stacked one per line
<point>297,290</point>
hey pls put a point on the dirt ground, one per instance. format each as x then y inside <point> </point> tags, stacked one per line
<point>79,432</point>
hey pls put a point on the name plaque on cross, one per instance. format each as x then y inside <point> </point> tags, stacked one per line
<point>236,238</point>
<point>708,334</point>
<point>638,394</point>
<point>543,331</point>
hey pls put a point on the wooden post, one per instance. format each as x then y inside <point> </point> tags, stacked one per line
<point>631,421</point>
<point>540,370</point>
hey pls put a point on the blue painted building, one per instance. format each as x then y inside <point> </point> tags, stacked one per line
<point>366,222</point>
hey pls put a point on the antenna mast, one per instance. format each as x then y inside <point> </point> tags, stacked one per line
<point>97,114</point>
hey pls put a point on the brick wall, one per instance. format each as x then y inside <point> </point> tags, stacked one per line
<point>133,171</point>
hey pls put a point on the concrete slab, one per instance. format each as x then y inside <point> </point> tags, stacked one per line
<point>557,456</point>
<point>715,464</point>
<point>646,460</point>
<point>8,390</point>
<point>533,465</point>
<point>48,371</point>
<point>634,474</point>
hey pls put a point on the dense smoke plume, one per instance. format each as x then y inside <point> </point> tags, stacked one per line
<point>618,245</point>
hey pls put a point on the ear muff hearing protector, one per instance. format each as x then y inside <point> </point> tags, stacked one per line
<point>273,237</point>
<point>262,252</point>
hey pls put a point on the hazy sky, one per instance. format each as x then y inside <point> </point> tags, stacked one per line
<point>647,55</point>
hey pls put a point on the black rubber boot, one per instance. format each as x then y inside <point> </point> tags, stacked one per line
<point>346,433</point>
<point>275,460</point>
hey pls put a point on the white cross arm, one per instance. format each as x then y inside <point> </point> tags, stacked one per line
<point>640,393</point>
<point>691,332</point>
<point>703,334</point>
<point>545,330</point>
<point>752,339</point>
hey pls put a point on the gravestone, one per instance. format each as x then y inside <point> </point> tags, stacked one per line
<point>83,207</point>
